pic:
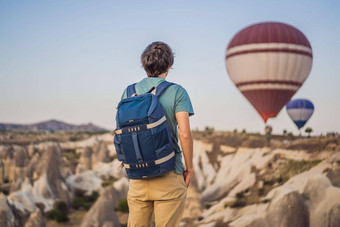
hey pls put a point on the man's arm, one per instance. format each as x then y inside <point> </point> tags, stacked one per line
<point>185,138</point>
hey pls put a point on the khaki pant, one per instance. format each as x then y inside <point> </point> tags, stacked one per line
<point>165,195</point>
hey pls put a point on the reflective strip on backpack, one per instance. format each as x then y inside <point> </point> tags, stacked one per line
<point>164,159</point>
<point>137,128</point>
<point>155,124</point>
<point>149,164</point>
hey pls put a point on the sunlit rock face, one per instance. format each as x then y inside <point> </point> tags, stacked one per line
<point>2,172</point>
<point>102,212</point>
<point>121,186</point>
<point>7,156</point>
<point>100,152</point>
<point>21,157</point>
<point>21,160</point>
<point>91,155</point>
<point>323,201</point>
<point>193,205</point>
<point>49,168</point>
<point>87,181</point>
<point>85,160</point>
<point>13,163</point>
<point>8,217</point>
<point>287,209</point>
<point>36,219</point>
<point>232,186</point>
<point>44,185</point>
<point>309,198</point>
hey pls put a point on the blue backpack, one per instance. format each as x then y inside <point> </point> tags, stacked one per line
<point>142,139</point>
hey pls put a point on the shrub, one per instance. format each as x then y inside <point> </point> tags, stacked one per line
<point>238,203</point>
<point>5,191</point>
<point>80,202</point>
<point>73,138</point>
<point>207,206</point>
<point>268,182</point>
<point>105,183</point>
<point>62,217</point>
<point>57,215</point>
<point>52,214</point>
<point>123,206</point>
<point>79,193</point>
<point>85,201</point>
<point>61,206</point>
<point>41,207</point>
<point>240,195</point>
<point>77,203</point>
<point>254,142</point>
<point>261,192</point>
<point>87,205</point>
<point>70,154</point>
<point>295,167</point>
<point>93,197</point>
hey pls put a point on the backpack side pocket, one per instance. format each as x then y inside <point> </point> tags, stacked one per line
<point>119,148</point>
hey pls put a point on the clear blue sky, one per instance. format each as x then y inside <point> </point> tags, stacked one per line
<point>71,60</point>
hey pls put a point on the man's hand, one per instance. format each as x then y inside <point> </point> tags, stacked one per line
<point>185,138</point>
<point>187,176</point>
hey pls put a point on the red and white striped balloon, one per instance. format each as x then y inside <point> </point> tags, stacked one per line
<point>268,62</point>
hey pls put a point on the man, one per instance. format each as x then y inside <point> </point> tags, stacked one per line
<point>164,195</point>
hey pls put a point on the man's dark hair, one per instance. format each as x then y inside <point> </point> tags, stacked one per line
<point>157,58</point>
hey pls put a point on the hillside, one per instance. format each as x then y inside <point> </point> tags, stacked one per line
<point>52,126</point>
<point>239,181</point>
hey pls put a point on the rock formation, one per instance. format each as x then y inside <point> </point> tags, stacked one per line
<point>8,218</point>
<point>13,163</point>
<point>7,157</point>
<point>236,171</point>
<point>121,186</point>
<point>86,181</point>
<point>102,212</point>
<point>287,208</point>
<point>2,172</point>
<point>100,153</point>
<point>21,160</point>
<point>85,160</point>
<point>237,186</point>
<point>193,205</point>
<point>49,169</point>
<point>49,185</point>
<point>324,201</point>
<point>36,219</point>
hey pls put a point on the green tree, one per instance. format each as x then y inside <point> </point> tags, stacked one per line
<point>308,130</point>
<point>209,130</point>
<point>59,213</point>
<point>284,132</point>
<point>123,206</point>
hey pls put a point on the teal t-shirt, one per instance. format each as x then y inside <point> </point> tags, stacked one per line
<point>174,99</point>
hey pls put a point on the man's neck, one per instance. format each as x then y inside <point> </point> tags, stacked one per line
<point>163,75</point>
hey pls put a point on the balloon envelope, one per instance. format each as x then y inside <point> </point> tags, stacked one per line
<point>300,110</point>
<point>268,62</point>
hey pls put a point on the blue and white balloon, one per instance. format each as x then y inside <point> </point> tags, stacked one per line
<point>300,110</point>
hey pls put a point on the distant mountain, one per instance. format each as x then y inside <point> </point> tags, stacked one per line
<point>52,126</point>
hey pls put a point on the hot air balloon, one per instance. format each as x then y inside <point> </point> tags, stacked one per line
<point>268,62</point>
<point>300,110</point>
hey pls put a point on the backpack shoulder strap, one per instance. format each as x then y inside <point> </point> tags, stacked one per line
<point>130,90</point>
<point>162,87</point>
